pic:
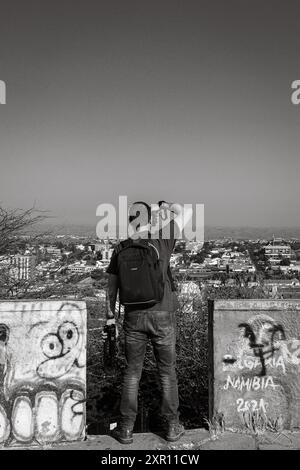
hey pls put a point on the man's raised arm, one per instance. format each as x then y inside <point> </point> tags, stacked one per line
<point>182,213</point>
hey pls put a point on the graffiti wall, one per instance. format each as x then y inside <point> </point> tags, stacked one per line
<point>255,361</point>
<point>42,371</point>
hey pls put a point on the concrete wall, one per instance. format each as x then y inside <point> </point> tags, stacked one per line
<point>42,371</point>
<point>255,361</point>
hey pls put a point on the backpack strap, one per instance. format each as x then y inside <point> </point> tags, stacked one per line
<point>131,243</point>
<point>122,245</point>
<point>156,250</point>
<point>119,310</point>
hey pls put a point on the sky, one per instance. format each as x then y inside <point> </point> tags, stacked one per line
<point>186,101</point>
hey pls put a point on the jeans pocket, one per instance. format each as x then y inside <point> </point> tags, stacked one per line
<point>163,321</point>
<point>131,321</point>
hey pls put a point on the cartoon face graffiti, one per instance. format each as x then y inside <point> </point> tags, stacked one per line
<point>61,350</point>
<point>43,357</point>
<point>263,334</point>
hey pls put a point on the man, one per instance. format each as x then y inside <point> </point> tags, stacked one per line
<point>156,323</point>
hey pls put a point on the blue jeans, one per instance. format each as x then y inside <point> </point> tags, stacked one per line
<point>160,327</point>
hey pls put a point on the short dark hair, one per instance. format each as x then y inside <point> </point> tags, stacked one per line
<point>137,210</point>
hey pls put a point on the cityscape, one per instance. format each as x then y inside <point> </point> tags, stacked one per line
<point>145,113</point>
<point>74,266</point>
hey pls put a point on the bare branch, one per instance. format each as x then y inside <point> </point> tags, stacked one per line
<point>16,222</point>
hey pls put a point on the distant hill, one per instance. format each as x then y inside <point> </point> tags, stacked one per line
<point>251,233</point>
<point>211,232</point>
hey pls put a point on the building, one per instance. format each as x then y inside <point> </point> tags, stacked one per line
<point>277,250</point>
<point>286,293</point>
<point>175,259</point>
<point>282,283</point>
<point>194,247</point>
<point>23,266</point>
<point>4,261</point>
<point>293,267</point>
<point>80,268</point>
<point>53,251</point>
<point>80,247</point>
<point>106,254</point>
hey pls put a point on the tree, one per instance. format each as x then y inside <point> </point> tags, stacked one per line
<point>14,226</point>
<point>14,223</point>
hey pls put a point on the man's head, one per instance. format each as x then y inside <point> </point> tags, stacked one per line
<point>139,216</point>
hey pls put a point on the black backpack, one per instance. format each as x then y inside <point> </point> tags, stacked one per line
<point>140,278</point>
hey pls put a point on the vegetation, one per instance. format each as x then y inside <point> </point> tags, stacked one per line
<point>14,225</point>
<point>104,386</point>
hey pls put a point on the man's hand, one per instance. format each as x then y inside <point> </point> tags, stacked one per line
<point>182,213</point>
<point>109,321</point>
<point>110,315</point>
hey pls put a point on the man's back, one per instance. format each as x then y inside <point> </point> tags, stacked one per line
<point>163,243</point>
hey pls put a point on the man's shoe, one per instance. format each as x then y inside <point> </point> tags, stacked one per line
<point>174,432</point>
<point>123,435</point>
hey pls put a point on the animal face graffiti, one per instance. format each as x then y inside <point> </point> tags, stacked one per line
<point>263,333</point>
<point>43,357</point>
<point>256,362</point>
<point>261,337</point>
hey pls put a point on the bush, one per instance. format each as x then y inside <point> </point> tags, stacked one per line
<point>104,386</point>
